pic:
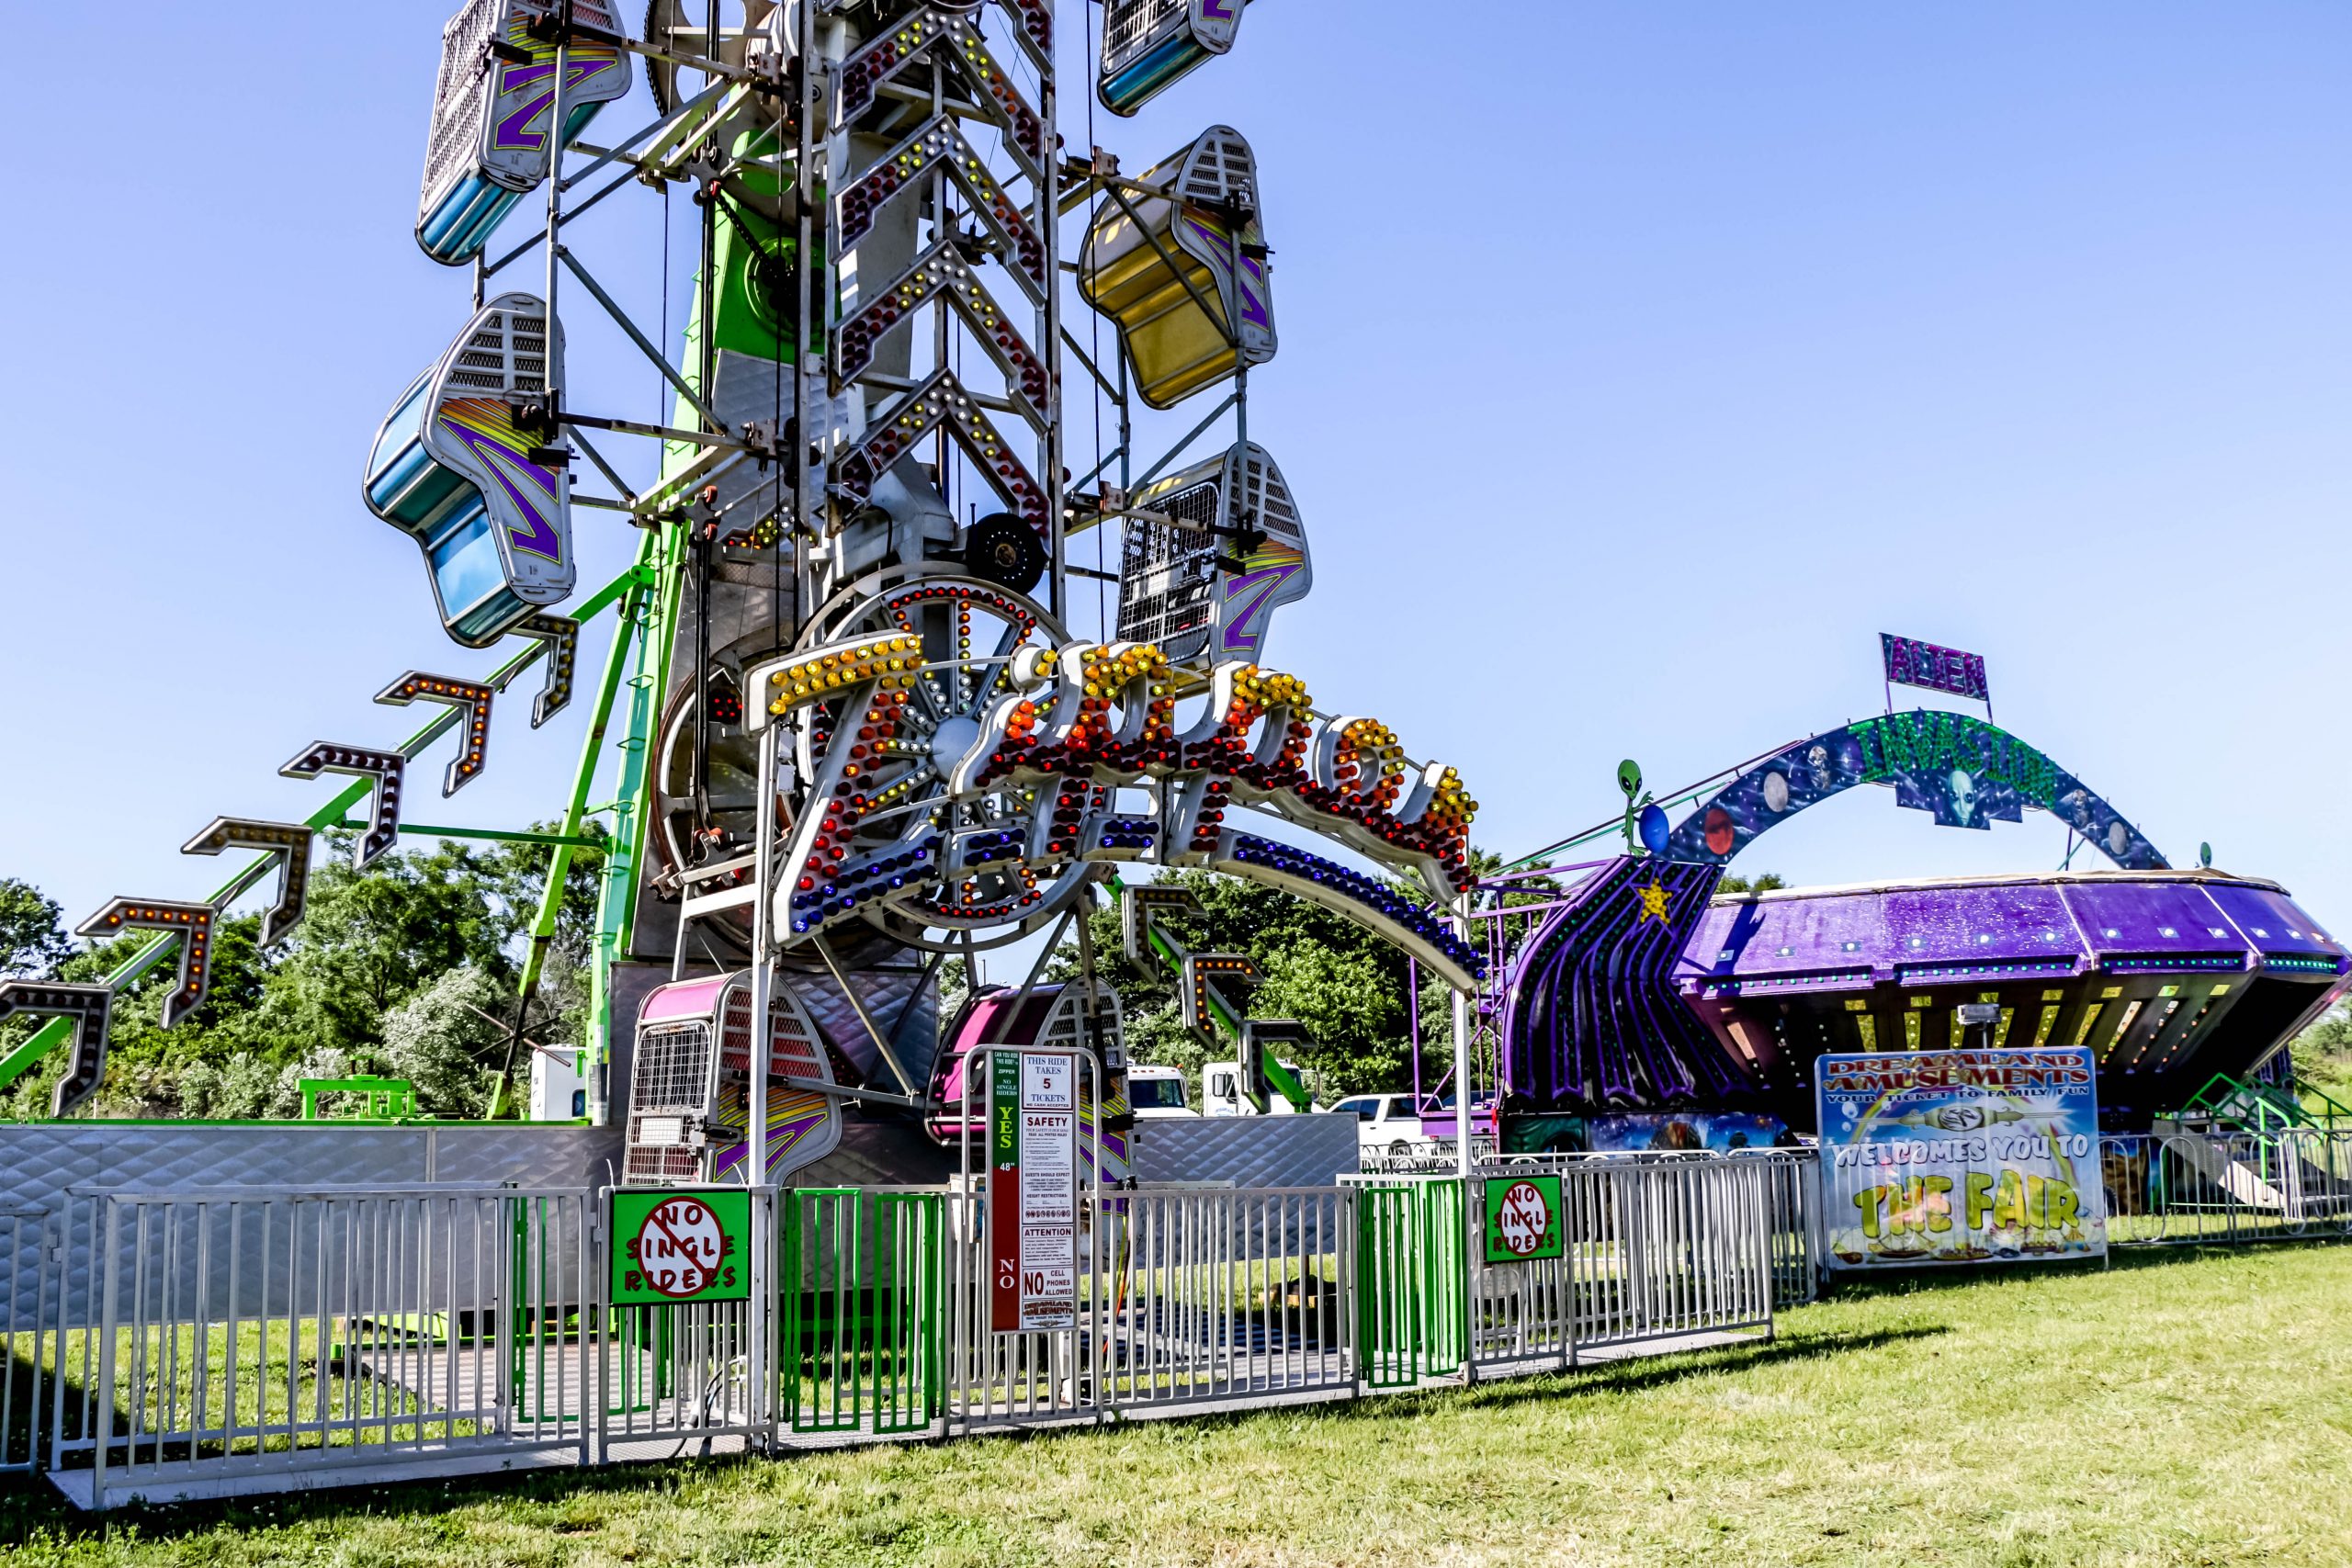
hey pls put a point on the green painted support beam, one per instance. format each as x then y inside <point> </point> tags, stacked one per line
<point>617,899</point>
<point>1226,1021</point>
<point>576,810</point>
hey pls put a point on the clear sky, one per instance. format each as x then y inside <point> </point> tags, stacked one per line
<point>1641,362</point>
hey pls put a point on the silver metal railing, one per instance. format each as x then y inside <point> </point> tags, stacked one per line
<point>2193,1188</point>
<point>1669,1249</point>
<point>1792,1188</point>
<point>234,1340</point>
<point>28,1338</point>
<point>1227,1296</point>
<point>677,1378</point>
<point>244,1340</point>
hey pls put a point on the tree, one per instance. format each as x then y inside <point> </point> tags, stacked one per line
<point>340,995</point>
<point>1762,882</point>
<point>2323,1054</point>
<point>447,1040</point>
<point>32,938</point>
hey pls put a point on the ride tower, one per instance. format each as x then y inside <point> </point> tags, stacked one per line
<point>845,728</point>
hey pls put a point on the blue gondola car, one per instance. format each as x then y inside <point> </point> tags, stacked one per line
<point>1148,44</point>
<point>452,470</point>
<point>490,113</point>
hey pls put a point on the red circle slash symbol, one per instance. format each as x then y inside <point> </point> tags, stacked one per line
<point>679,1247</point>
<point>1524,1219</point>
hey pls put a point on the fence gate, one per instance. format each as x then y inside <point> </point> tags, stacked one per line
<point>1666,1248</point>
<point>864,1303</point>
<point>28,1339</point>
<point>1411,1319</point>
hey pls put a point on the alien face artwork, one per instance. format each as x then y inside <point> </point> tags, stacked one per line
<point>1963,798</point>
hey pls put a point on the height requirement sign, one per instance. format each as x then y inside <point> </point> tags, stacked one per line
<point>1033,1190</point>
<point>1961,1156</point>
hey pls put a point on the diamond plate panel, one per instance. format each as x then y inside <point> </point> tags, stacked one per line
<point>55,1167</point>
<point>1249,1151</point>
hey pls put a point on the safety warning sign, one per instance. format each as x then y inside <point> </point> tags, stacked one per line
<point>1033,1190</point>
<point>1524,1219</point>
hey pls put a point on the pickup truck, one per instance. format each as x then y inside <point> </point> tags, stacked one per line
<point>1387,1124</point>
<point>1402,1126</point>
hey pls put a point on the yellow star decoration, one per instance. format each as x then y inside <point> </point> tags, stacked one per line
<point>1653,903</point>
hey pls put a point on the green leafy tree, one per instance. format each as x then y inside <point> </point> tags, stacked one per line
<point>2323,1055</point>
<point>32,937</point>
<point>1763,882</point>
<point>448,1040</point>
<point>340,995</point>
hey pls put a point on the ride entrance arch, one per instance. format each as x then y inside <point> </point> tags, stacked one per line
<point>1966,772</point>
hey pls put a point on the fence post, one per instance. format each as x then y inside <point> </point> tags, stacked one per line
<point>102,1397</point>
<point>595,1324</point>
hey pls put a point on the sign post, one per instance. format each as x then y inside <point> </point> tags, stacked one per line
<point>1961,1156</point>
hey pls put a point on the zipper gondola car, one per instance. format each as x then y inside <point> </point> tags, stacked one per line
<point>452,470</point>
<point>492,112</point>
<point>1067,1017</point>
<point>1147,45</point>
<point>1206,580</point>
<point>690,1085</point>
<point>1185,276</point>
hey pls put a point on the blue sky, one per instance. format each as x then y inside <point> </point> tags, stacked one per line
<point>1641,362</point>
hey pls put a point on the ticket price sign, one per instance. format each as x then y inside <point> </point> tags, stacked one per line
<point>1961,1156</point>
<point>1523,1218</point>
<point>670,1245</point>
<point>1033,1190</point>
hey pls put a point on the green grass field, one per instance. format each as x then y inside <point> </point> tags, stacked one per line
<point>2181,1408</point>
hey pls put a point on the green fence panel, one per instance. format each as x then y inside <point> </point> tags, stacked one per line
<point>1412,1314</point>
<point>825,1309</point>
<point>909,1309</point>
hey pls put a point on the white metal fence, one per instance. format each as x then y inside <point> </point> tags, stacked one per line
<point>27,1244</point>
<point>2187,1188</point>
<point>233,1340</point>
<point>227,1340</point>
<point>1790,1223</point>
<point>210,1339</point>
<point>1656,1249</point>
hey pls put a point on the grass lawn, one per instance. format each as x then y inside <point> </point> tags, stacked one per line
<point>2182,1408</point>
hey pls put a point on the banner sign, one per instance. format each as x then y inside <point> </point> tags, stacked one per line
<point>1033,1190</point>
<point>1910,663</point>
<point>672,1246</point>
<point>1961,1156</point>
<point>1524,1219</point>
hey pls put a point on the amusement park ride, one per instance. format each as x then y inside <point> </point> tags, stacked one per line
<point>844,732</point>
<point>843,727</point>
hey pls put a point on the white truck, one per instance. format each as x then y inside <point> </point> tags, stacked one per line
<point>1221,1092</point>
<point>1157,1093</point>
